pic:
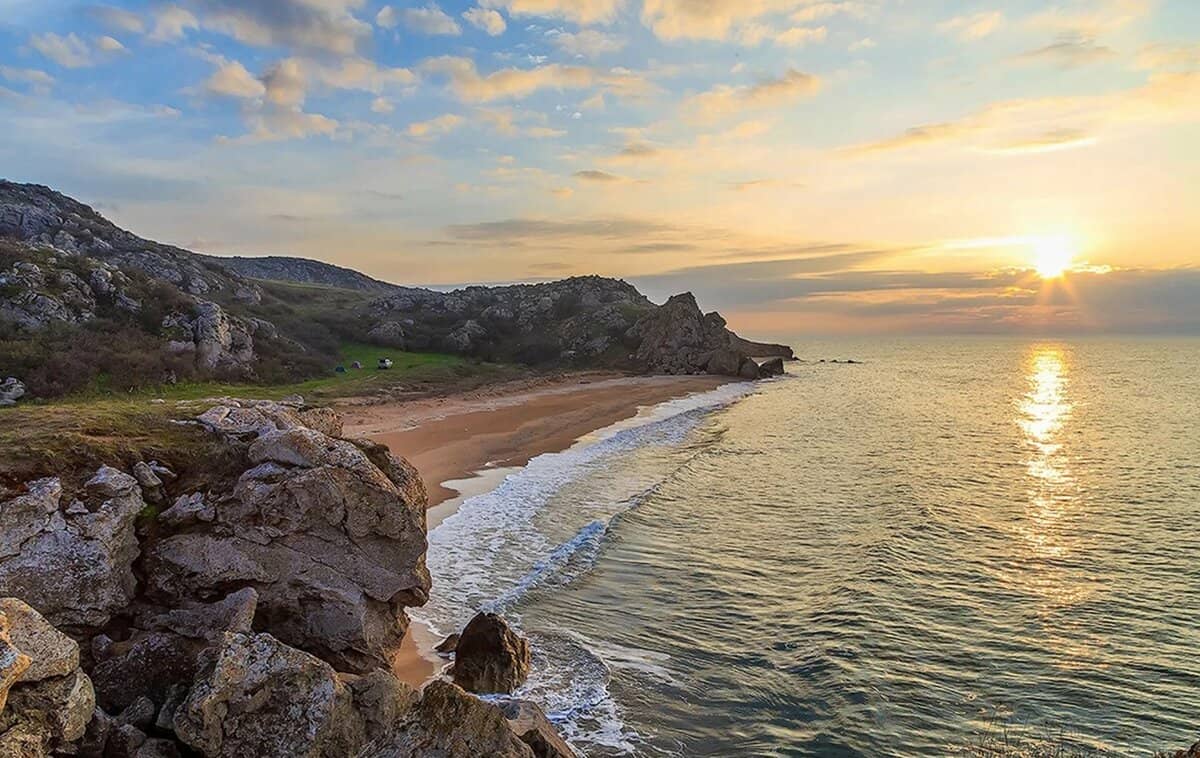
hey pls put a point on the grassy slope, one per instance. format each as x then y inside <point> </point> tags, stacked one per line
<point>74,435</point>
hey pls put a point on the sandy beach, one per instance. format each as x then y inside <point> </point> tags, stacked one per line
<point>456,441</point>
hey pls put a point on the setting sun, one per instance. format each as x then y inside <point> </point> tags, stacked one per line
<point>1052,256</point>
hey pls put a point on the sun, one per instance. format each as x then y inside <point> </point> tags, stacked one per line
<point>1052,256</point>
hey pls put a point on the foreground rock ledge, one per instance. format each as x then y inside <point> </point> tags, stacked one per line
<point>244,610</point>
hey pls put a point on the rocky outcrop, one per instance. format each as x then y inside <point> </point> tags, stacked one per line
<point>216,340</point>
<point>249,618</point>
<point>771,367</point>
<point>329,532</point>
<point>490,657</point>
<point>529,723</point>
<point>12,389</point>
<point>74,557</point>
<point>450,723</point>
<point>260,697</point>
<point>50,701</point>
<point>302,270</point>
<point>36,214</point>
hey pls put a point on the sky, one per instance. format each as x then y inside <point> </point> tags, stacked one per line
<point>804,166</point>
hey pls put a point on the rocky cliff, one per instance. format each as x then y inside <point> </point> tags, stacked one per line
<point>82,299</point>
<point>282,268</point>
<point>246,608</point>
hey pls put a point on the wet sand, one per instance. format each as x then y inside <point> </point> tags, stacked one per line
<point>462,443</point>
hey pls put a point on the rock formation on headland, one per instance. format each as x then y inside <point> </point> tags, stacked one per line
<point>247,609</point>
<point>73,282</point>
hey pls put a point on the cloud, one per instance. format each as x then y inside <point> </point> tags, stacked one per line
<point>434,126</point>
<point>726,19</point>
<point>109,45</point>
<point>724,100</point>
<point>1076,120</point>
<point>1169,57</point>
<point>1069,52</point>
<point>431,20</point>
<point>1090,18</point>
<point>386,17</point>
<point>592,175</point>
<point>231,79</point>
<point>579,11</point>
<point>975,26</point>
<point>38,81</point>
<point>819,11</point>
<point>275,124</point>
<point>486,20</point>
<point>587,43</point>
<point>800,35</point>
<point>321,25</point>
<point>509,83</point>
<point>528,229</point>
<point>171,21</point>
<point>285,83</point>
<point>866,43</point>
<point>67,51</point>
<point>382,105</point>
<point>358,73</point>
<point>117,18</point>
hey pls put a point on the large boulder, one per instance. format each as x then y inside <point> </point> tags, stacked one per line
<point>11,390</point>
<point>528,721</point>
<point>74,561</point>
<point>259,697</point>
<point>49,699</point>
<point>329,532</point>
<point>215,339</point>
<point>771,367</point>
<point>451,723</point>
<point>490,656</point>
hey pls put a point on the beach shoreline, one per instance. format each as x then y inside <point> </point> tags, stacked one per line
<point>465,444</point>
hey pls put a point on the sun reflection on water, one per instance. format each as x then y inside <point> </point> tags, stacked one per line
<point>1051,526</point>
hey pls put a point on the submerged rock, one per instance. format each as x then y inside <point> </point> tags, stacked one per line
<point>490,657</point>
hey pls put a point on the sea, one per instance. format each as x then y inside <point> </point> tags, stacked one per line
<point>949,546</point>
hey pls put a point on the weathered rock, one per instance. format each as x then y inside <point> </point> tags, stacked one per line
<point>13,663</point>
<point>52,653</point>
<point>383,702</point>
<point>139,713</point>
<point>331,534</point>
<point>529,723</point>
<point>450,723</point>
<point>771,367</point>
<point>95,736</point>
<point>56,710</point>
<point>207,621</point>
<point>215,339</point>
<point>124,741</point>
<point>262,698</point>
<point>187,510</point>
<point>448,645</point>
<point>389,334</point>
<point>157,748</point>
<point>490,657</point>
<point>724,361</point>
<point>76,565</point>
<point>147,664</point>
<point>749,369</point>
<point>11,390</point>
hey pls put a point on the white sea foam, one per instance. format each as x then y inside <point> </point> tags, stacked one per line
<point>543,527</point>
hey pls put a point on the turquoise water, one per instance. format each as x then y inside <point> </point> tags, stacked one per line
<point>890,558</point>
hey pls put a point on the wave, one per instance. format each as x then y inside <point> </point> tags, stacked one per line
<point>542,528</point>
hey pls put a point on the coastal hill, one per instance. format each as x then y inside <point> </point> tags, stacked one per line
<point>82,300</point>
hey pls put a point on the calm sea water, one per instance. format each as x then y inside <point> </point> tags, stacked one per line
<point>889,558</point>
